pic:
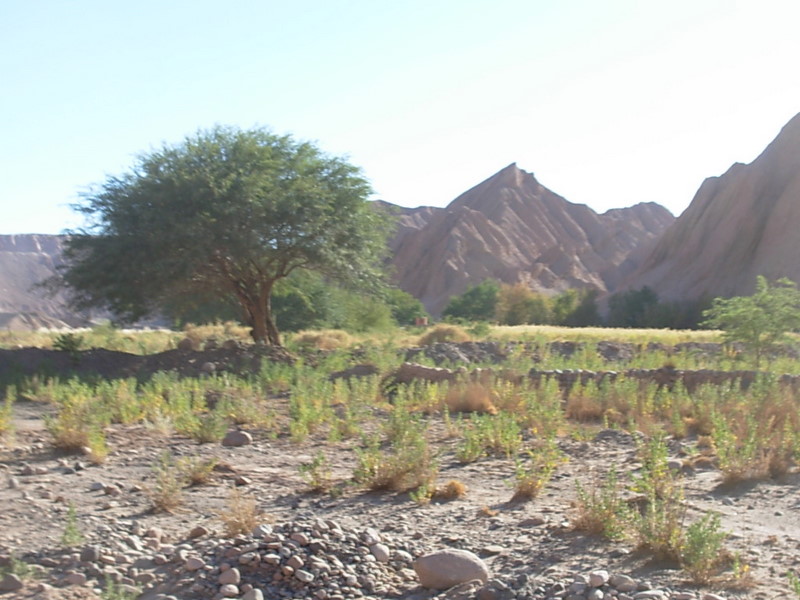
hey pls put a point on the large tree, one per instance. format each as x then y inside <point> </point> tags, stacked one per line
<point>225,213</point>
<point>759,321</point>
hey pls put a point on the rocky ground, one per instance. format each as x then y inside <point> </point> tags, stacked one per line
<point>352,544</point>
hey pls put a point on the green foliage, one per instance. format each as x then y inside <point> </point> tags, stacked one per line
<point>794,583</point>
<point>576,308</point>
<point>532,476</point>
<point>478,303</point>
<point>72,535</point>
<point>701,553</point>
<point>68,342</point>
<point>519,305</point>
<point>489,434</point>
<point>601,509</point>
<point>225,214</point>
<point>759,321</point>
<point>317,473</point>
<point>404,307</point>
<point>166,493</point>
<point>633,308</point>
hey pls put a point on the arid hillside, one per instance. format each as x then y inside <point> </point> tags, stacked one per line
<point>739,225</point>
<point>513,229</point>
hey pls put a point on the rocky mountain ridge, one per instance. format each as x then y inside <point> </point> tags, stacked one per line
<point>513,229</point>
<point>739,225</point>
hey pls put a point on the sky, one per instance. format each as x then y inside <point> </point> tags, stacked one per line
<point>608,103</point>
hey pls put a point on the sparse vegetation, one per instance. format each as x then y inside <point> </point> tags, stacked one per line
<point>241,513</point>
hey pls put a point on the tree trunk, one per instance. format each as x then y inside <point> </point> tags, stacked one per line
<point>259,311</point>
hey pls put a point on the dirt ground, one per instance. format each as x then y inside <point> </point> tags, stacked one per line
<point>535,538</point>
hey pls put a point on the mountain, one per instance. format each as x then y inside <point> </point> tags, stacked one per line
<point>26,260</point>
<point>739,225</point>
<point>513,229</point>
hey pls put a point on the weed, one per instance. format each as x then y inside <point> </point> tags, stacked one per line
<point>7,413</point>
<point>471,398</point>
<point>197,471</point>
<point>113,591</point>
<point>490,434</point>
<point>601,509</point>
<point>794,583</point>
<point>452,490</point>
<point>701,551</point>
<point>241,514</point>
<point>72,535</point>
<point>423,494</point>
<point>317,474</point>
<point>210,428</point>
<point>443,333</point>
<point>530,478</point>
<point>408,464</point>
<point>166,494</point>
<point>70,343</point>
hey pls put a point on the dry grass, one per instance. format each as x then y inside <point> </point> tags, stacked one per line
<point>241,514</point>
<point>471,398</point>
<point>552,333</point>
<point>443,332</point>
<point>325,339</point>
<point>452,490</point>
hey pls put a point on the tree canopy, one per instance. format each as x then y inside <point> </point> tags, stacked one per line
<point>758,321</point>
<point>225,214</point>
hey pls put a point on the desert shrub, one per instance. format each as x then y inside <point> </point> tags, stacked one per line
<point>7,412</point>
<point>317,474</point>
<point>471,398</point>
<point>326,339</point>
<point>196,470</point>
<point>487,434</point>
<point>702,551</point>
<point>71,535</point>
<point>601,509</point>
<point>241,514</point>
<point>408,464</point>
<point>166,492</point>
<point>532,476</point>
<point>70,343</point>
<point>443,332</point>
<point>452,490</point>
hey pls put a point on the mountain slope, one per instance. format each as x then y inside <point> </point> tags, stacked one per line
<point>513,229</point>
<point>739,225</point>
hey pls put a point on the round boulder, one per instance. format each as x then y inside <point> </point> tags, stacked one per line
<point>443,569</point>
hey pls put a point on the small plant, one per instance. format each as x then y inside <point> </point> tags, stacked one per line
<point>601,509</point>
<point>408,464</point>
<point>241,514</point>
<point>197,471</point>
<point>443,333</point>
<point>452,490</point>
<point>72,535</point>
<point>794,583</point>
<point>701,552</point>
<point>7,413</point>
<point>166,494</point>
<point>210,428</point>
<point>68,342</point>
<point>423,494</point>
<point>531,477</point>
<point>489,434</point>
<point>317,474</point>
<point>114,591</point>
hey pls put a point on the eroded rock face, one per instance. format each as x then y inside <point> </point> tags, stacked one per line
<point>513,229</point>
<point>739,225</point>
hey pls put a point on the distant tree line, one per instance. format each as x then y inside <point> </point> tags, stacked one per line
<point>516,304</point>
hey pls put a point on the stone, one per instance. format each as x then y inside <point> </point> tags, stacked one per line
<point>229,590</point>
<point>75,578</point>
<point>90,554</point>
<point>380,552</point>
<point>232,575</point>
<point>254,594</point>
<point>10,583</point>
<point>623,583</point>
<point>194,563</point>
<point>444,569</point>
<point>304,576</point>
<point>237,438</point>
<point>598,578</point>
<point>198,531</point>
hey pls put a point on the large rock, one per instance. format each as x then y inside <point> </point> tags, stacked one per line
<point>443,569</point>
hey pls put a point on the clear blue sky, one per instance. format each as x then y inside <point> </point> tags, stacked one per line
<point>607,102</point>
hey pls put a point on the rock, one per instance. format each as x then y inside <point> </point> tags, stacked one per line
<point>198,531</point>
<point>443,569</point>
<point>598,578</point>
<point>75,578</point>
<point>237,438</point>
<point>90,554</point>
<point>10,583</point>
<point>194,563</point>
<point>623,583</point>
<point>254,594</point>
<point>233,576</point>
<point>304,576</point>
<point>380,552</point>
<point>229,590</point>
